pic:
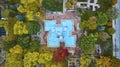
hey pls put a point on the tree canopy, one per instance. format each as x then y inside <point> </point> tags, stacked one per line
<point>45,57</point>
<point>68,5</point>
<point>33,27</point>
<point>23,41</point>
<point>111,31</point>
<point>30,59</point>
<point>104,36</point>
<point>87,43</point>
<point>90,24</point>
<point>60,54</point>
<point>102,19</point>
<point>14,58</point>
<point>20,28</point>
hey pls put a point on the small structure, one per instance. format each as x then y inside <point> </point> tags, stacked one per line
<point>74,61</point>
<point>90,4</point>
<point>2,31</point>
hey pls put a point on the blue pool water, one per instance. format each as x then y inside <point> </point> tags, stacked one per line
<point>60,33</point>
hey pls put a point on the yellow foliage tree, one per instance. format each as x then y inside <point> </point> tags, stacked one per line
<point>30,59</point>
<point>20,28</point>
<point>54,64</point>
<point>14,58</point>
<point>45,57</point>
<point>16,49</point>
<point>32,9</point>
<point>91,23</point>
<point>103,62</point>
<point>84,61</point>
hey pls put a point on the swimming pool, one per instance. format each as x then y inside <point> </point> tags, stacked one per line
<point>60,33</point>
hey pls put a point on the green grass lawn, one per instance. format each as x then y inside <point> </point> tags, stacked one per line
<point>53,5</point>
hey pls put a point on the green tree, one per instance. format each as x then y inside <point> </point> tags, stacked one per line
<point>105,5</point>
<point>112,14</point>
<point>83,25</point>
<point>87,43</point>
<point>5,13</point>
<point>7,45</point>
<point>85,14</point>
<point>68,5</point>
<point>90,24</point>
<point>33,27</point>
<point>34,45</point>
<point>102,19</point>
<point>24,41</point>
<point>111,31</point>
<point>53,5</point>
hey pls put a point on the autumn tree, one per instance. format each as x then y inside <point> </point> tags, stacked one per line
<point>60,54</point>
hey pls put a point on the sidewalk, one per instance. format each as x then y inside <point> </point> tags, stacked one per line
<point>64,7</point>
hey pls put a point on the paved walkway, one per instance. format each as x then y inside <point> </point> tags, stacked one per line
<point>42,35</point>
<point>64,6</point>
<point>116,35</point>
